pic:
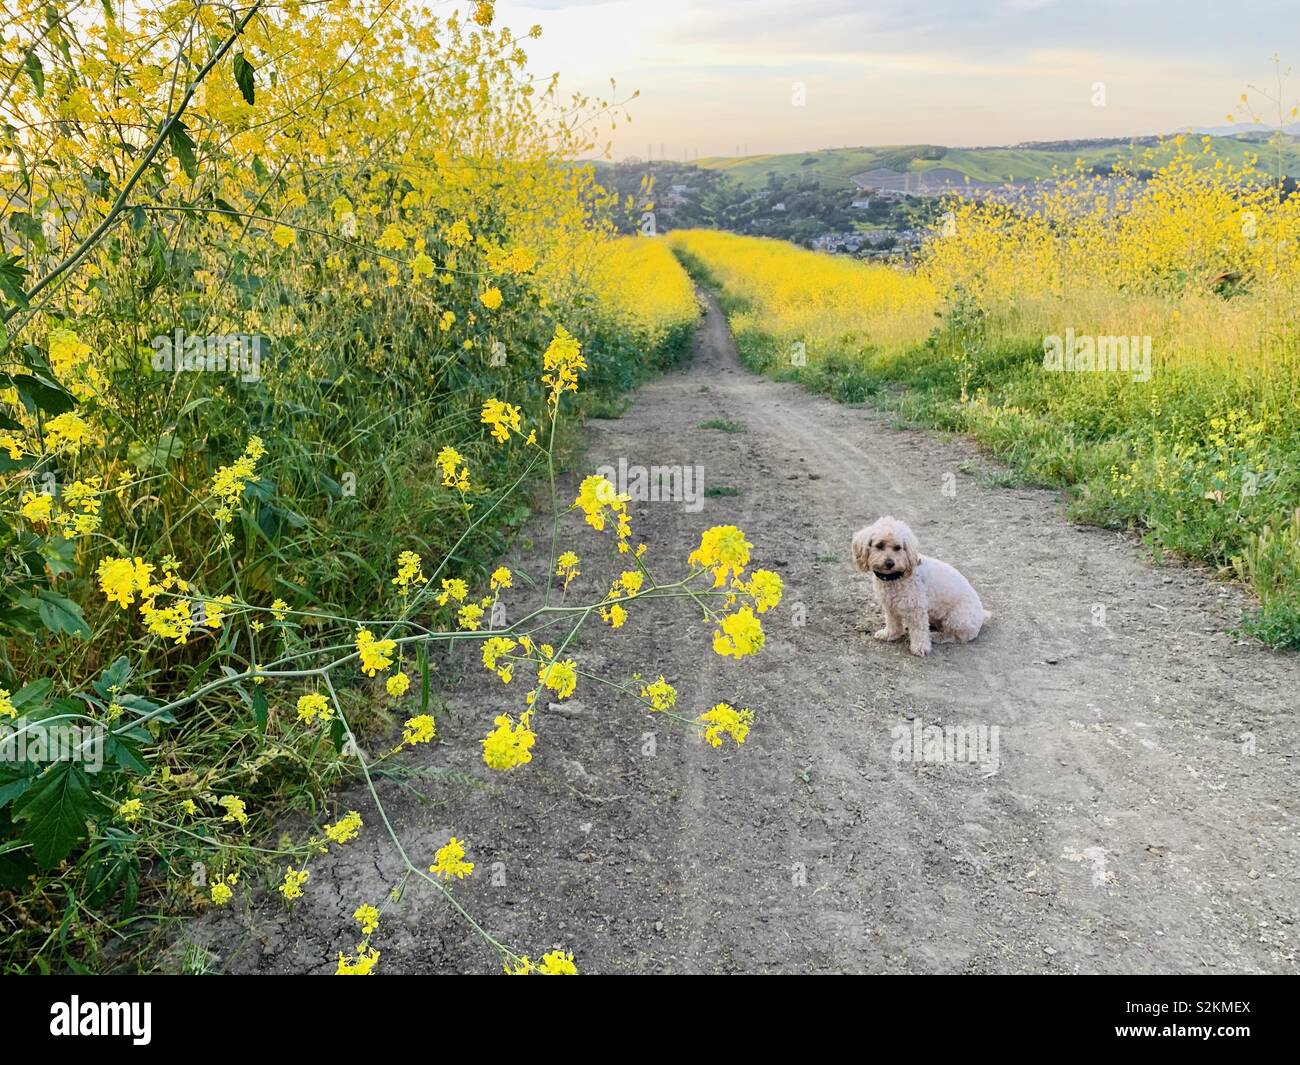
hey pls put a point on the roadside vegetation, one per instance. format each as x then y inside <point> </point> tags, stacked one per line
<point>302,305</point>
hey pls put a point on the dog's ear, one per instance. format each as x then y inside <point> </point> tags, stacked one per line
<point>862,546</point>
<point>907,539</point>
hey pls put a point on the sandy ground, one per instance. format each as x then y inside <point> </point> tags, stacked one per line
<point>1139,815</point>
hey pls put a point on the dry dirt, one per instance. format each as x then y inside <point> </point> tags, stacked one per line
<point>1141,818</point>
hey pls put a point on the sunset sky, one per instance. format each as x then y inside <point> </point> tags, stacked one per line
<point>718,77</point>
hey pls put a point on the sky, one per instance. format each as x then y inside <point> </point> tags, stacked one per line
<point>758,76</point>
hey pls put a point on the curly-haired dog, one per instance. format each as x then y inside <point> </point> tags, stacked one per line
<point>921,596</point>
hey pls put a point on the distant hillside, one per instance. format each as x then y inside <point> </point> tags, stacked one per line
<point>877,203</point>
<point>836,166</point>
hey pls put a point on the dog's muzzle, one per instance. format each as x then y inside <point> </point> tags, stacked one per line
<point>893,575</point>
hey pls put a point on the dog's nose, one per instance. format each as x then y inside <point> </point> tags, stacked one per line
<point>889,563</point>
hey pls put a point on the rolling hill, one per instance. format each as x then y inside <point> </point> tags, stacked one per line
<point>836,166</point>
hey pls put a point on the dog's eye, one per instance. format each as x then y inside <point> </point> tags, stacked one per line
<point>896,547</point>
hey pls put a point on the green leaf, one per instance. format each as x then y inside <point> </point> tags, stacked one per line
<point>114,678</point>
<point>54,811</point>
<point>32,695</point>
<point>155,455</point>
<point>260,708</point>
<point>15,777</point>
<point>39,392</point>
<point>244,76</point>
<point>59,555</point>
<point>36,72</point>
<point>182,145</point>
<point>145,708</point>
<point>13,279</point>
<point>126,754</point>
<point>61,614</point>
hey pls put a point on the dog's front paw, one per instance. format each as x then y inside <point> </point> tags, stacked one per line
<point>887,634</point>
<point>920,649</point>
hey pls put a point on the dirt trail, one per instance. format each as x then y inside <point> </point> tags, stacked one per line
<point>1128,826</point>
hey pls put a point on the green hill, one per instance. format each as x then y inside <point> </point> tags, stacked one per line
<point>836,166</point>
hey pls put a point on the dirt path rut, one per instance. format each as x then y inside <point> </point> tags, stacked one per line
<point>1139,815</point>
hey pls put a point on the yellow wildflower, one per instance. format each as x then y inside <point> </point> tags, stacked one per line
<point>363,966</point>
<point>765,587</point>
<point>725,720</point>
<point>455,474</point>
<point>566,566</point>
<point>662,695</point>
<point>419,729</point>
<point>502,417</point>
<point>121,578</point>
<point>314,707</point>
<point>562,360</point>
<point>449,861</point>
<point>493,648</point>
<point>235,809</point>
<point>741,634</point>
<point>557,963</point>
<point>452,588</point>
<point>724,550</point>
<point>368,918</point>
<point>345,830</point>
<point>291,886</point>
<point>509,745</point>
<point>408,571</point>
<point>130,810</point>
<point>37,507</point>
<point>376,655</point>
<point>561,677</point>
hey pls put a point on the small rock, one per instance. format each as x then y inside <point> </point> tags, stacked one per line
<point>569,708</point>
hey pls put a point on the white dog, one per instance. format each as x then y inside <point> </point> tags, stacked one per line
<point>920,596</point>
